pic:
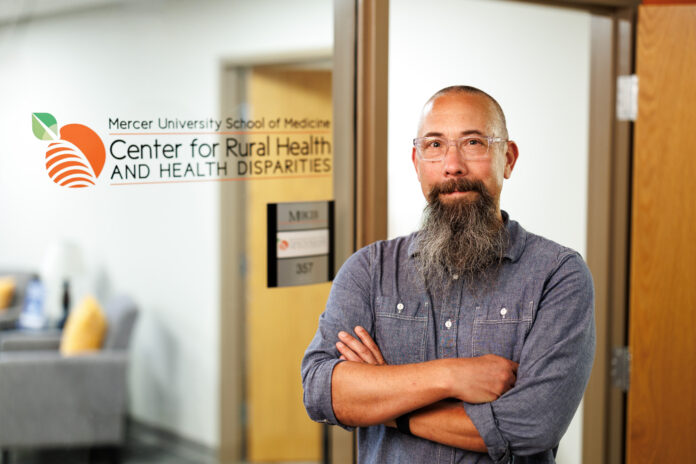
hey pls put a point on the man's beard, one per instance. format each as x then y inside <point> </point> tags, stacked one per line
<point>464,237</point>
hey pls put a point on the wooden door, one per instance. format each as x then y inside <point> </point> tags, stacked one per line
<point>661,417</point>
<point>281,321</point>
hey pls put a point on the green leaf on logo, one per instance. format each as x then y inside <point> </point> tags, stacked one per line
<point>44,126</point>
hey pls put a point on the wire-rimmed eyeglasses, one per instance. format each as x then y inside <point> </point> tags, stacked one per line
<point>470,147</point>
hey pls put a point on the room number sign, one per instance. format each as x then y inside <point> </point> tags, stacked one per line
<point>300,243</point>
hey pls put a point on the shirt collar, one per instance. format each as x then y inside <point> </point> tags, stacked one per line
<point>518,239</point>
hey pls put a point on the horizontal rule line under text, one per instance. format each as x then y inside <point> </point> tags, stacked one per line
<point>226,132</point>
<point>224,179</point>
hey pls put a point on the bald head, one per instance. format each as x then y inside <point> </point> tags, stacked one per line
<point>494,106</point>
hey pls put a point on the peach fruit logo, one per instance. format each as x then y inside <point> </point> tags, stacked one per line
<point>75,157</point>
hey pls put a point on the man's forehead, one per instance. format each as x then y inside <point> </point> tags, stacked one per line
<point>454,106</point>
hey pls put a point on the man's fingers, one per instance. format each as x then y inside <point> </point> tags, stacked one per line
<point>514,374</point>
<point>357,347</point>
<point>370,344</point>
<point>346,353</point>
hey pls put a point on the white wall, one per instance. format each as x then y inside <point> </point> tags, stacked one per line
<point>535,61</point>
<point>159,243</point>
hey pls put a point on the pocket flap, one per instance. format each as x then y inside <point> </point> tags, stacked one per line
<point>401,308</point>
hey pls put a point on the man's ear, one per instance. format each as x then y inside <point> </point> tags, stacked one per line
<point>510,158</point>
<point>415,162</point>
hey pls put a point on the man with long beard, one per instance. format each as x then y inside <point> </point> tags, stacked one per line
<point>470,340</point>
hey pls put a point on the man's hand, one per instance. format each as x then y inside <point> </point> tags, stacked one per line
<point>482,379</point>
<point>475,380</point>
<point>364,350</point>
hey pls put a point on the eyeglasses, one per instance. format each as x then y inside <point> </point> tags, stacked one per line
<point>470,147</point>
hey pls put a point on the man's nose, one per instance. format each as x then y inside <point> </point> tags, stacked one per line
<point>453,164</point>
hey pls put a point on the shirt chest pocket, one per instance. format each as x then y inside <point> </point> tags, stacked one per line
<point>400,329</point>
<point>501,329</point>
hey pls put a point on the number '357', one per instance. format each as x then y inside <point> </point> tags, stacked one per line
<point>303,268</point>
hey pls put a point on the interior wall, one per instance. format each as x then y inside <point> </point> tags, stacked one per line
<point>535,61</point>
<point>159,243</point>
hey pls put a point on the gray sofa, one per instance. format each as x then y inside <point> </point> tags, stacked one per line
<point>48,400</point>
<point>9,316</point>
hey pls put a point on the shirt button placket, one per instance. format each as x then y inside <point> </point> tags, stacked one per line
<point>449,332</point>
<point>449,336</point>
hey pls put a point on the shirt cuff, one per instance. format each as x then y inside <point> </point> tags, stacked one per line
<point>321,392</point>
<point>485,422</point>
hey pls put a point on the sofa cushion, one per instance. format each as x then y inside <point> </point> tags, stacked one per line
<point>7,289</point>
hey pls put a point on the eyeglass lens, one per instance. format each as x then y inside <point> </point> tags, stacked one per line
<point>436,147</point>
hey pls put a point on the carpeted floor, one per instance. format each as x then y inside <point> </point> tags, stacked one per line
<point>143,445</point>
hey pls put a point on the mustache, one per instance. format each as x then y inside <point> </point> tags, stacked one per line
<point>457,185</point>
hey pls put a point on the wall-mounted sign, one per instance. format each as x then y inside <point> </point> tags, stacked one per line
<point>160,150</point>
<point>300,243</point>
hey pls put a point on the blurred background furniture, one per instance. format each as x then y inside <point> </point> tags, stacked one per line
<point>61,264</point>
<point>51,400</point>
<point>10,316</point>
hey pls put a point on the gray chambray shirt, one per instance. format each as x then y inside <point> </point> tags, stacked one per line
<point>539,314</point>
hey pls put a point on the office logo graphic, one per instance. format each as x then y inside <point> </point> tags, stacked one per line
<point>75,156</point>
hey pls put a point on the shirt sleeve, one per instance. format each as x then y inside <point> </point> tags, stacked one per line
<point>554,368</point>
<point>349,305</point>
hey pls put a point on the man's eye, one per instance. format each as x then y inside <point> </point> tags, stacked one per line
<point>475,142</point>
<point>434,144</point>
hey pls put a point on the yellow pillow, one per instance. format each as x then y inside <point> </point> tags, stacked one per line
<point>85,328</point>
<point>7,287</point>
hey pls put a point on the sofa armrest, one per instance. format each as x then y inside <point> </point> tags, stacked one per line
<point>19,340</point>
<point>10,316</point>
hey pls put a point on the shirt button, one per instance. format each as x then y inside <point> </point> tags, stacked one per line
<point>455,276</point>
<point>448,324</point>
<point>503,312</point>
<point>400,306</point>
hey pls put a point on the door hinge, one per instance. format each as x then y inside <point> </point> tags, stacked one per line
<point>621,368</point>
<point>627,97</point>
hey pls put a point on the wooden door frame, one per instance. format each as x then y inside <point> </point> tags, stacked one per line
<point>361,62</point>
<point>372,115</point>
<point>340,445</point>
<point>608,232</point>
